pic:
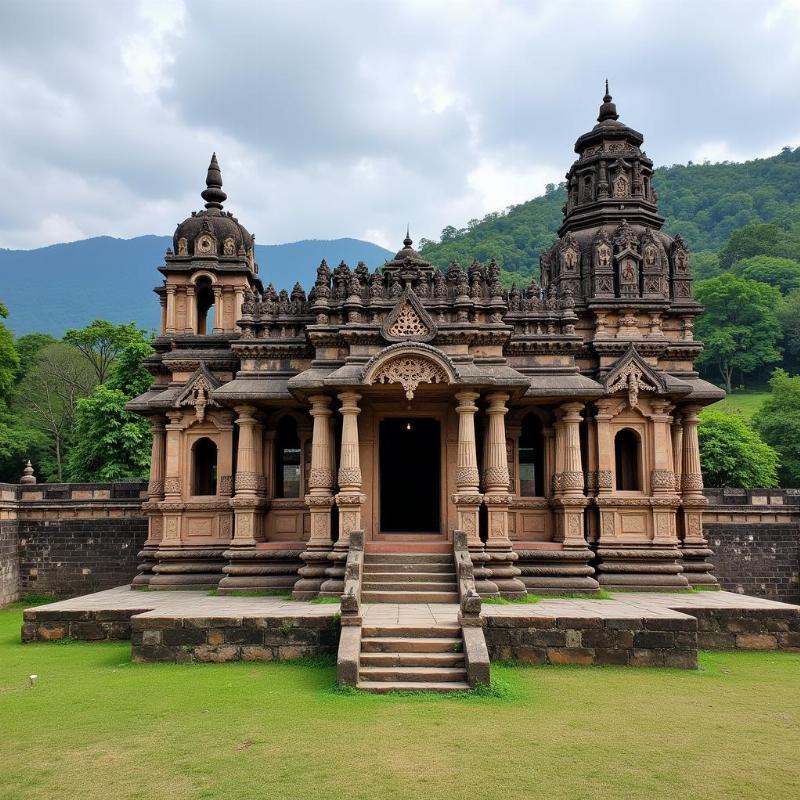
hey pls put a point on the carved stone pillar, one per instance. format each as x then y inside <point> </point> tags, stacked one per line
<point>571,501</point>
<point>191,310</point>
<point>677,449</point>
<point>170,318</point>
<point>548,481</point>
<point>237,306</point>
<point>218,325</point>
<point>467,496</point>
<point>319,500</point>
<point>349,498</point>
<point>163,324</point>
<point>662,476</point>
<point>497,499</point>
<point>696,552</point>
<point>249,483</point>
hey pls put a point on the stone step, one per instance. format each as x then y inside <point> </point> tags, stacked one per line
<point>426,674</point>
<point>409,597</point>
<point>440,630</point>
<point>409,586</point>
<point>380,687</point>
<point>400,659</point>
<point>411,644</point>
<point>409,569</point>
<point>408,558</point>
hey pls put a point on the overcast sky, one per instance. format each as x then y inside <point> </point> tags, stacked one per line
<point>353,118</point>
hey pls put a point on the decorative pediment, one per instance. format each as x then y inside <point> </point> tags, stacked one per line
<point>410,366</point>
<point>632,374</point>
<point>408,320</point>
<point>197,392</point>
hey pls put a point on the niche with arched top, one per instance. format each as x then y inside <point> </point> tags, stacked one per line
<point>531,457</point>
<point>205,306</point>
<point>287,459</point>
<point>627,459</point>
<point>204,467</point>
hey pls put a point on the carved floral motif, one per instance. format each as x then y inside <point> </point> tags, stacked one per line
<point>410,372</point>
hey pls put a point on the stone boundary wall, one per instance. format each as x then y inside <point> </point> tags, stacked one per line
<point>218,639</point>
<point>624,641</point>
<point>755,535</point>
<point>69,538</point>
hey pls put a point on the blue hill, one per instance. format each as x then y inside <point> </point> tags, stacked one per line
<point>68,285</point>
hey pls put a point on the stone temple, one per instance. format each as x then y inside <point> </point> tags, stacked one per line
<point>554,425</point>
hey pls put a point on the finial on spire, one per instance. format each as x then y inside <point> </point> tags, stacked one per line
<point>213,194</point>
<point>608,110</point>
<point>408,240</point>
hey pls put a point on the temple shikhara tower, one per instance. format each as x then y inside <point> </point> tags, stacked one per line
<point>555,424</point>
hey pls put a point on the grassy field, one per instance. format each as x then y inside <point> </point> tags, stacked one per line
<point>744,403</point>
<point>97,726</point>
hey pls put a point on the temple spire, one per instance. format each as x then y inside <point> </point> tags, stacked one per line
<point>213,194</point>
<point>408,240</point>
<point>608,110</point>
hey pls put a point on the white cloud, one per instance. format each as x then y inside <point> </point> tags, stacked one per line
<point>353,118</point>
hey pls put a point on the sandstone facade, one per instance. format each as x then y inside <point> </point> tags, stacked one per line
<point>555,424</point>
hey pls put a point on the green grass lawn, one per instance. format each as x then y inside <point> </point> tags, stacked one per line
<point>97,726</point>
<point>744,403</point>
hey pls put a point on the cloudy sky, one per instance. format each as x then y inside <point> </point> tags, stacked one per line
<point>352,118</point>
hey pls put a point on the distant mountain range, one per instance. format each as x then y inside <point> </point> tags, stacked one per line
<point>68,285</point>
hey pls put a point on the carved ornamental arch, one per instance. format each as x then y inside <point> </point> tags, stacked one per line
<point>410,366</point>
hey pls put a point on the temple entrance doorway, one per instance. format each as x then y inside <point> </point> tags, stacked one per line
<point>410,470</point>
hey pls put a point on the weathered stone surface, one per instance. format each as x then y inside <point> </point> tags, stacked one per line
<point>756,641</point>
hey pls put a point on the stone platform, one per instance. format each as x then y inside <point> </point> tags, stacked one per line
<point>636,629</point>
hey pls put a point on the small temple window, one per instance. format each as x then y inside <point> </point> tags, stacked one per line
<point>205,307</point>
<point>626,456</point>
<point>531,458</point>
<point>287,454</point>
<point>204,467</point>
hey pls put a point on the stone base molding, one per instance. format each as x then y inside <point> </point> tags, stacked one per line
<point>148,559</point>
<point>554,571</point>
<point>640,567</point>
<point>188,568</point>
<point>313,574</point>
<point>271,570</point>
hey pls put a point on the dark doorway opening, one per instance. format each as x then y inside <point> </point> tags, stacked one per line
<point>410,453</point>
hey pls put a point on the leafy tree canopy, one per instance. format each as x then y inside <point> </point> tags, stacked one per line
<point>733,454</point>
<point>9,358</point>
<point>101,342</point>
<point>778,422</point>
<point>28,348</point>
<point>759,240</point>
<point>782,273</point>
<point>740,327</point>
<point>112,443</point>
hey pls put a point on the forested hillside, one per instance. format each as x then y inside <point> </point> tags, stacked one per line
<point>705,203</point>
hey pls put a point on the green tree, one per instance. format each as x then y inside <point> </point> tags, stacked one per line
<point>782,273</point>
<point>47,397</point>
<point>740,328</point>
<point>778,422</point>
<point>112,443</point>
<point>733,454</point>
<point>759,240</point>
<point>28,348</point>
<point>789,314</point>
<point>9,358</point>
<point>101,342</point>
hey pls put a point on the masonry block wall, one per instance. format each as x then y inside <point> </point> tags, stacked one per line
<point>755,535</point>
<point>69,539</point>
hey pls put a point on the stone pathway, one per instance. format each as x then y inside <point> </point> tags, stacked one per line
<point>201,604</point>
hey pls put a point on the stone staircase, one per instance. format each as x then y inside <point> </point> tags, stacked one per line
<point>409,578</point>
<point>397,658</point>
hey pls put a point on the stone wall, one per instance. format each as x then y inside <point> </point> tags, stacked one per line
<point>755,535</point>
<point>69,539</point>
<point>9,562</point>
